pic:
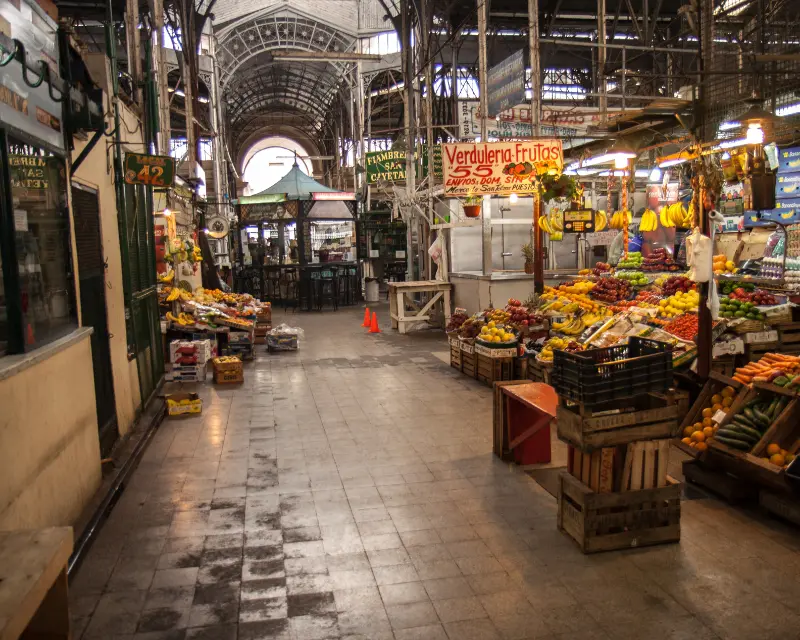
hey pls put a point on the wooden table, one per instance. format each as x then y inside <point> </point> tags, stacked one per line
<point>404,310</point>
<point>523,413</point>
<point>33,583</point>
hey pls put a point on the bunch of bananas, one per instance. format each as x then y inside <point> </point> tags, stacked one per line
<point>558,344</point>
<point>183,319</point>
<point>600,221</point>
<point>649,221</point>
<point>168,277</point>
<point>620,219</point>
<point>665,219</point>
<point>572,327</point>
<point>197,254</point>
<point>590,318</point>
<point>174,294</point>
<point>552,223</point>
<point>677,215</point>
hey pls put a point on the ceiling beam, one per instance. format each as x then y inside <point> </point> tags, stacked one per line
<point>323,56</point>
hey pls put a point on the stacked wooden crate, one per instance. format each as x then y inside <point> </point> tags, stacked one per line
<point>263,325</point>
<point>616,492</point>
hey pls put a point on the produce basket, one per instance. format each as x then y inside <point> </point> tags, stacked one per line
<point>613,373</point>
<point>749,326</point>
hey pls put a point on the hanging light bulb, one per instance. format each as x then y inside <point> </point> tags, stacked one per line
<point>655,175</point>
<point>167,213</point>
<point>512,199</point>
<point>755,134</point>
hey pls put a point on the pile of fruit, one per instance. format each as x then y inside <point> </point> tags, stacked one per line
<point>456,320</point>
<point>182,319</point>
<point>636,278</point>
<point>571,327</point>
<point>557,344</point>
<point>470,328</point>
<point>777,456</point>
<point>679,303</point>
<point>697,435</point>
<point>601,268</point>
<point>659,260</point>
<point>673,284</point>
<point>775,368</point>
<point>576,286</point>
<point>727,288</point>
<point>747,427</point>
<point>498,316</point>
<point>494,334</point>
<point>756,296</point>
<point>632,261</point>
<point>518,314</point>
<point>734,308</point>
<point>648,297</point>
<point>684,326</point>
<point>723,265</point>
<point>611,290</point>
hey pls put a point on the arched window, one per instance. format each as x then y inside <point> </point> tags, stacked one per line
<point>271,159</point>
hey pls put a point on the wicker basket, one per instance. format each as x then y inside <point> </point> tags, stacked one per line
<point>749,326</point>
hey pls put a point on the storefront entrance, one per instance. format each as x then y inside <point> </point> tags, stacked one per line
<point>91,269</point>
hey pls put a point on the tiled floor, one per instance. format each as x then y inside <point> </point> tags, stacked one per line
<point>348,490</point>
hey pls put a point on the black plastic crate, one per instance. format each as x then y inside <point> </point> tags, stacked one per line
<point>597,376</point>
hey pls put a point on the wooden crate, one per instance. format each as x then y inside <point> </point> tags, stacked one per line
<point>521,368</point>
<point>753,352</point>
<point>469,360</point>
<point>455,355</point>
<point>724,365</point>
<point>613,521</point>
<point>783,505</point>
<point>733,489</point>
<point>537,372</point>
<point>715,384</point>
<point>499,415</point>
<point>788,333</point>
<point>490,370</point>
<point>646,417</point>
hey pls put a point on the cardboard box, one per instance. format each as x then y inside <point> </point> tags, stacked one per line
<point>282,342</point>
<point>728,347</point>
<point>228,370</point>
<point>182,404</point>
<point>199,348</point>
<point>760,337</point>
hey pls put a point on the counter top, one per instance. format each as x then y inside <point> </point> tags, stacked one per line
<point>512,275</point>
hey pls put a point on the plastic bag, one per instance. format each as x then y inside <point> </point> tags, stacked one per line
<point>286,330</point>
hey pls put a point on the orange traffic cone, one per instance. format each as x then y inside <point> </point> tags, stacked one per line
<point>373,328</point>
<point>366,318</point>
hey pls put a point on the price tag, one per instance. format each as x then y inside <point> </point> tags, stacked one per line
<point>719,416</point>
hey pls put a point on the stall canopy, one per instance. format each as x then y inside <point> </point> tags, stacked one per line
<point>295,185</point>
<point>330,210</point>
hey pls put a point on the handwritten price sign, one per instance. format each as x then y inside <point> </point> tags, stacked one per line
<point>498,168</point>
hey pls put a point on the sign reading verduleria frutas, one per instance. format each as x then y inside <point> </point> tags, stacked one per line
<point>154,171</point>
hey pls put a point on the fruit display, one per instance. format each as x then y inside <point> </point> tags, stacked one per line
<point>577,286</point>
<point>456,321</point>
<point>601,268</point>
<point>611,290</point>
<point>648,297</point>
<point>777,456</point>
<point>632,261</point>
<point>636,278</point>
<point>727,287</point>
<point>747,427</point>
<point>698,434</point>
<point>494,334</point>
<point>182,319</point>
<point>734,308</point>
<point>620,219</point>
<point>679,215</point>
<point>470,328</point>
<point>659,260</point>
<point>679,303</point>
<point>664,218</point>
<point>557,344</point>
<point>774,368</point>
<point>723,265</point>
<point>756,296</point>
<point>673,284</point>
<point>649,221</point>
<point>571,327</point>
<point>498,316</point>
<point>684,326</point>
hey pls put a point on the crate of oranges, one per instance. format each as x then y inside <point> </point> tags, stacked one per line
<point>704,417</point>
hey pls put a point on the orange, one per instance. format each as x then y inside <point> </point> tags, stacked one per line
<point>716,428</point>
<point>708,431</point>
<point>698,426</point>
<point>698,436</point>
<point>717,406</point>
<point>707,412</point>
<point>716,399</point>
<point>728,392</point>
<point>777,459</point>
<point>686,440</point>
<point>692,444</point>
<point>707,422</point>
<point>701,446</point>
<point>688,431</point>
<point>772,449</point>
<point>727,401</point>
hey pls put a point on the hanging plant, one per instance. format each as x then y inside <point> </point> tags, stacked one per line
<point>472,206</point>
<point>558,187</point>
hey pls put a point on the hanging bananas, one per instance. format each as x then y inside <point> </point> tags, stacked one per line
<point>649,221</point>
<point>600,221</point>
<point>664,218</point>
<point>621,219</point>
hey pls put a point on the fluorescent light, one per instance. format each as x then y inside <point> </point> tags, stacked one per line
<point>655,175</point>
<point>788,110</point>
<point>730,144</point>
<point>672,163</point>
<point>727,126</point>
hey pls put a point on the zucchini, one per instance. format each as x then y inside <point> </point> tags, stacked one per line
<point>747,425</point>
<point>782,402</point>
<point>740,417</point>
<point>735,433</point>
<point>764,420</point>
<point>752,433</point>
<point>770,412</point>
<point>781,381</point>
<point>736,444</point>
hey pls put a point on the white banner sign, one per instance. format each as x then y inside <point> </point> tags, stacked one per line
<point>498,168</point>
<point>565,122</point>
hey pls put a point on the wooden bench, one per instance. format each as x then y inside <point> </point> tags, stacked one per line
<point>401,300</point>
<point>33,584</point>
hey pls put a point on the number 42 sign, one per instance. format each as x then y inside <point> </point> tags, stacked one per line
<point>155,171</point>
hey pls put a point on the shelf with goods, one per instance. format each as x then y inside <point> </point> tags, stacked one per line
<point>379,236</point>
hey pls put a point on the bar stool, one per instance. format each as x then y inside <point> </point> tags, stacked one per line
<point>272,284</point>
<point>307,287</point>
<point>291,281</point>
<point>327,289</point>
<point>344,284</point>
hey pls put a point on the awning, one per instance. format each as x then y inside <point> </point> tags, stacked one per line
<point>330,210</point>
<point>295,185</point>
